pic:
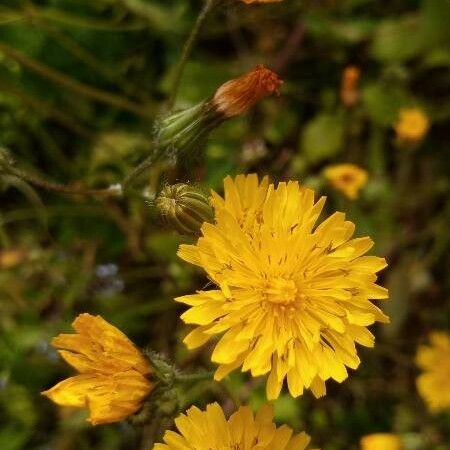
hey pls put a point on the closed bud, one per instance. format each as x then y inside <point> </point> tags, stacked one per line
<point>184,208</point>
<point>185,132</point>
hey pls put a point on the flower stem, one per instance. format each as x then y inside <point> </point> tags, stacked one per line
<point>196,376</point>
<point>187,49</point>
<point>58,187</point>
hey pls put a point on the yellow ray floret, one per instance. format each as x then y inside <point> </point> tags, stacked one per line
<point>112,381</point>
<point>293,297</point>
<point>434,383</point>
<point>210,430</point>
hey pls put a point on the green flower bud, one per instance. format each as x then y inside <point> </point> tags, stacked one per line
<point>184,208</point>
<point>185,132</point>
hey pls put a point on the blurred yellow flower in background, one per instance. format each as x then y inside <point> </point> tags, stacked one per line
<point>10,258</point>
<point>434,383</point>
<point>381,441</point>
<point>412,125</point>
<point>112,381</point>
<point>293,298</point>
<point>237,96</point>
<point>210,430</point>
<point>347,178</point>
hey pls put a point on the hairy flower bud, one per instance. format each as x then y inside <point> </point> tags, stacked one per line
<point>349,86</point>
<point>237,96</point>
<point>185,132</point>
<point>184,208</point>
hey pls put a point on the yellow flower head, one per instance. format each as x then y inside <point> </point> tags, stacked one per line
<point>381,441</point>
<point>112,381</point>
<point>347,178</point>
<point>210,430</point>
<point>249,2</point>
<point>434,383</point>
<point>237,96</point>
<point>412,125</point>
<point>292,297</point>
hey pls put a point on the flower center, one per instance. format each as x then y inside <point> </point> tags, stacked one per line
<point>281,291</point>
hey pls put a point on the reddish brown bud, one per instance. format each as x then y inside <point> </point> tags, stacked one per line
<point>237,96</point>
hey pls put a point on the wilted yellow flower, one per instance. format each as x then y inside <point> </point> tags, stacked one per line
<point>412,125</point>
<point>210,430</point>
<point>347,178</point>
<point>292,297</point>
<point>381,441</point>
<point>112,381</point>
<point>349,86</point>
<point>434,383</point>
<point>237,96</point>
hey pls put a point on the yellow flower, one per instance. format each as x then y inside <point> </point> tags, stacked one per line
<point>112,381</point>
<point>210,430</point>
<point>412,125</point>
<point>381,441</point>
<point>11,258</point>
<point>237,96</point>
<point>249,2</point>
<point>347,178</point>
<point>434,383</point>
<point>293,297</point>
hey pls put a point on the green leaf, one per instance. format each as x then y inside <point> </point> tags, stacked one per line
<point>383,102</point>
<point>322,137</point>
<point>399,40</point>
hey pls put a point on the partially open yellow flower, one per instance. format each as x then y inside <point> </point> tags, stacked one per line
<point>112,381</point>
<point>237,96</point>
<point>293,297</point>
<point>210,430</point>
<point>434,383</point>
<point>347,178</point>
<point>412,125</point>
<point>381,441</point>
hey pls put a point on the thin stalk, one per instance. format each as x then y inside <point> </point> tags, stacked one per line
<point>146,164</point>
<point>58,187</point>
<point>73,84</point>
<point>187,49</point>
<point>191,377</point>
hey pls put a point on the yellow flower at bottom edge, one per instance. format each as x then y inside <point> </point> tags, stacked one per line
<point>293,297</point>
<point>381,441</point>
<point>412,125</point>
<point>210,430</point>
<point>112,381</point>
<point>249,2</point>
<point>347,178</point>
<point>434,383</point>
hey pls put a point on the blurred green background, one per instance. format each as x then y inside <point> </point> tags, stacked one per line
<point>81,83</point>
